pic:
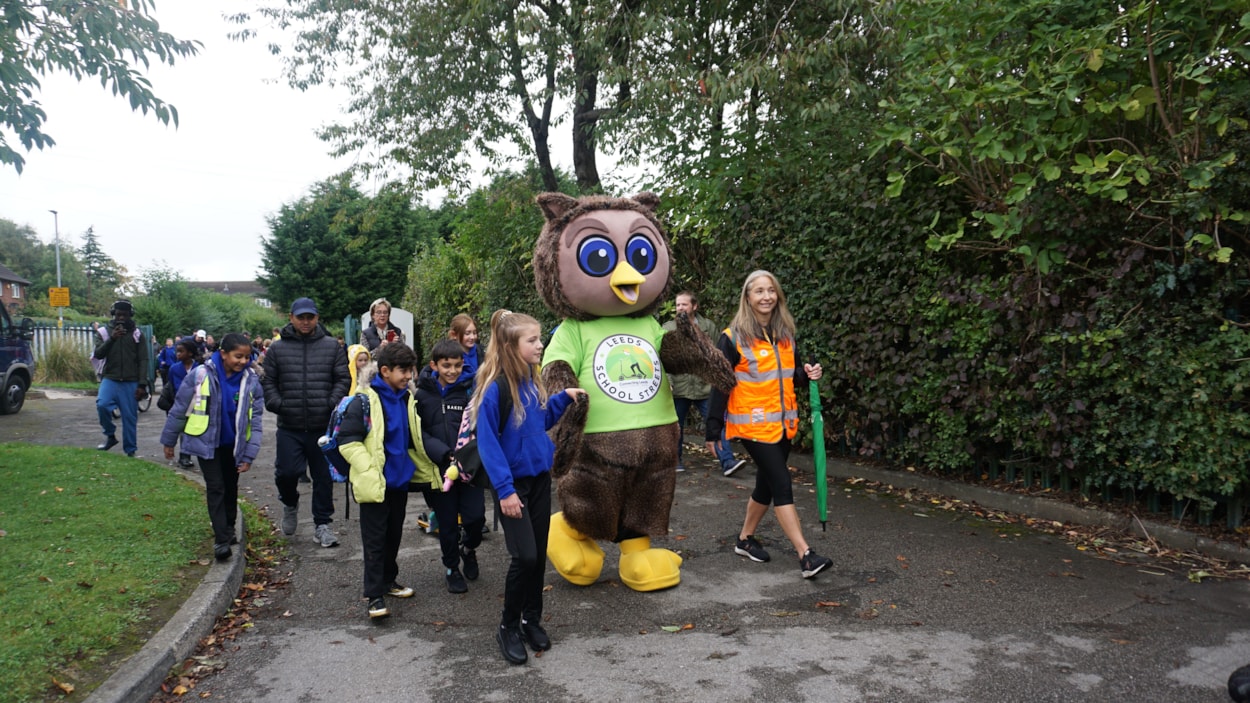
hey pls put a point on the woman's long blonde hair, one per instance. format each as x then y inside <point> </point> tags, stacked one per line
<point>747,328</point>
<point>503,359</point>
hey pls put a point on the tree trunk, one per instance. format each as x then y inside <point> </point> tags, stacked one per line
<point>585,120</point>
<point>539,129</point>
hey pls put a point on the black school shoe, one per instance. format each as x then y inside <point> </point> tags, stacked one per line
<point>535,636</point>
<point>221,550</point>
<point>469,559</point>
<point>509,639</point>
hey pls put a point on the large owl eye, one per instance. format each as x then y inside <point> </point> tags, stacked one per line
<point>596,256</point>
<point>640,253</point>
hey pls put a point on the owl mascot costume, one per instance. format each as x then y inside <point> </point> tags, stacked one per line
<point>604,266</point>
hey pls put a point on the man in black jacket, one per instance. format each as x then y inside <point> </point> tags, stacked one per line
<point>124,378</point>
<point>305,378</point>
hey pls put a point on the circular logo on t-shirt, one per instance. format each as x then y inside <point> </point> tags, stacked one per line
<point>627,368</point>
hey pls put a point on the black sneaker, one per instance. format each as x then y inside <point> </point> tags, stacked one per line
<point>108,443</point>
<point>729,470</point>
<point>751,549</point>
<point>535,636</point>
<point>455,582</point>
<point>509,639</point>
<point>469,559</point>
<point>221,550</point>
<point>377,608</point>
<point>812,563</point>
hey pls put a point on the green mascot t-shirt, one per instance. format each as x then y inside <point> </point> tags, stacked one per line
<point>617,361</point>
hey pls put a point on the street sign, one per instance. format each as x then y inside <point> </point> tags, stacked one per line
<point>58,297</point>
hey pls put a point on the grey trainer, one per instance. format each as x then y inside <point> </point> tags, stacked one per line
<point>290,519</point>
<point>326,536</point>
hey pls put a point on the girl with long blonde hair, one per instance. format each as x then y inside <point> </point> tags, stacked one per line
<point>517,457</point>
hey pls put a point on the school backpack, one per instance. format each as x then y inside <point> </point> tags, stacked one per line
<point>465,457</point>
<point>329,442</point>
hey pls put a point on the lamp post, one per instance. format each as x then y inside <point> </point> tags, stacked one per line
<point>56,224</point>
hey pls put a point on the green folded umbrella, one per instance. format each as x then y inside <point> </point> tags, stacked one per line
<point>818,454</point>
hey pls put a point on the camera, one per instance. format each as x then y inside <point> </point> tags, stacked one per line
<point>122,322</point>
<point>122,325</point>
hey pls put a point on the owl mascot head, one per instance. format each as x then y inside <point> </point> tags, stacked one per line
<point>604,265</point>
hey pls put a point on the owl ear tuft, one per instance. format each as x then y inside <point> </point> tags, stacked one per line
<point>648,200</point>
<point>554,205</point>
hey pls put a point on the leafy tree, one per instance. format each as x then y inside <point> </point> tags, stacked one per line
<point>175,308</point>
<point>485,263</point>
<point>438,85</point>
<point>20,248</point>
<point>103,39</point>
<point>1036,109</point>
<point>340,248</point>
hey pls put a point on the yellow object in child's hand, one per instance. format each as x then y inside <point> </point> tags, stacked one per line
<point>453,473</point>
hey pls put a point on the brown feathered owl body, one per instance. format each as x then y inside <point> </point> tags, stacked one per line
<point>604,265</point>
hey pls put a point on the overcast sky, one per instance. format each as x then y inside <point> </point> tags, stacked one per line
<point>195,197</point>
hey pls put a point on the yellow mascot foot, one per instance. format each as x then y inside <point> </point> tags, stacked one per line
<point>577,558</point>
<point>647,569</point>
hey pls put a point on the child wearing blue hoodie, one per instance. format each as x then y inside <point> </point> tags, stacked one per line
<point>442,394</point>
<point>385,458</point>
<point>217,412</point>
<point>517,455</point>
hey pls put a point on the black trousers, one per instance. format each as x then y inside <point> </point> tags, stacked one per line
<point>381,529</point>
<point>526,538</point>
<point>465,504</point>
<point>221,491</point>
<point>297,450</point>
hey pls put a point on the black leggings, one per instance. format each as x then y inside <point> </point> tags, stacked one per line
<point>526,538</point>
<point>772,474</point>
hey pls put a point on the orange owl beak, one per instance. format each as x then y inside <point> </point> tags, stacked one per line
<point>625,282</point>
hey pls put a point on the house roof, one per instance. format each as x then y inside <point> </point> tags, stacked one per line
<point>7,274</point>
<point>251,288</point>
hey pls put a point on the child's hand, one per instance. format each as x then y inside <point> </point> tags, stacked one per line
<point>511,506</point>
<point>576,393</point>
<point>242,468</point>
<point>169,453</point>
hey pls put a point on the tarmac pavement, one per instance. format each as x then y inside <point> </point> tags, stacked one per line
<point>920,604</point>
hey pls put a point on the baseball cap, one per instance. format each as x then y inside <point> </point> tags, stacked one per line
<point>303,306</point>
<point>200,334</point>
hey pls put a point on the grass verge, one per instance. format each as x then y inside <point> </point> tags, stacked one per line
<point>72,385</point>
<point>92,544</point>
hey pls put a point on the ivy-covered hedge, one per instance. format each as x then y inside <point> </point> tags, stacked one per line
<point>1014,235</point>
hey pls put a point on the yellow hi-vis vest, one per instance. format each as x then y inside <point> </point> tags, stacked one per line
<point>197,417</point>
<point>762,407</point>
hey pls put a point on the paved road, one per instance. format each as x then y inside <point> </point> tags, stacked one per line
<point>932,606</point>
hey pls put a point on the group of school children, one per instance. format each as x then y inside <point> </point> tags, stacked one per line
<point>387,463</point>
<point>399,438</point>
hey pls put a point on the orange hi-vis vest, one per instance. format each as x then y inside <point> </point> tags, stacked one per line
<point>762,407</point>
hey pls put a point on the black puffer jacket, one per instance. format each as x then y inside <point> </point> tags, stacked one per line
<point>305,377</point>
<point>440,415</point>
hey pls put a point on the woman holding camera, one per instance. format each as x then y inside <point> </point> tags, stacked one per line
<point>381,332</point>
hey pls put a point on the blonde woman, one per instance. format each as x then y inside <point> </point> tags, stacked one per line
<point>762,411</point>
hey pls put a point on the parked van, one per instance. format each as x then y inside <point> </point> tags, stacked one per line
<point>17,363</point>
